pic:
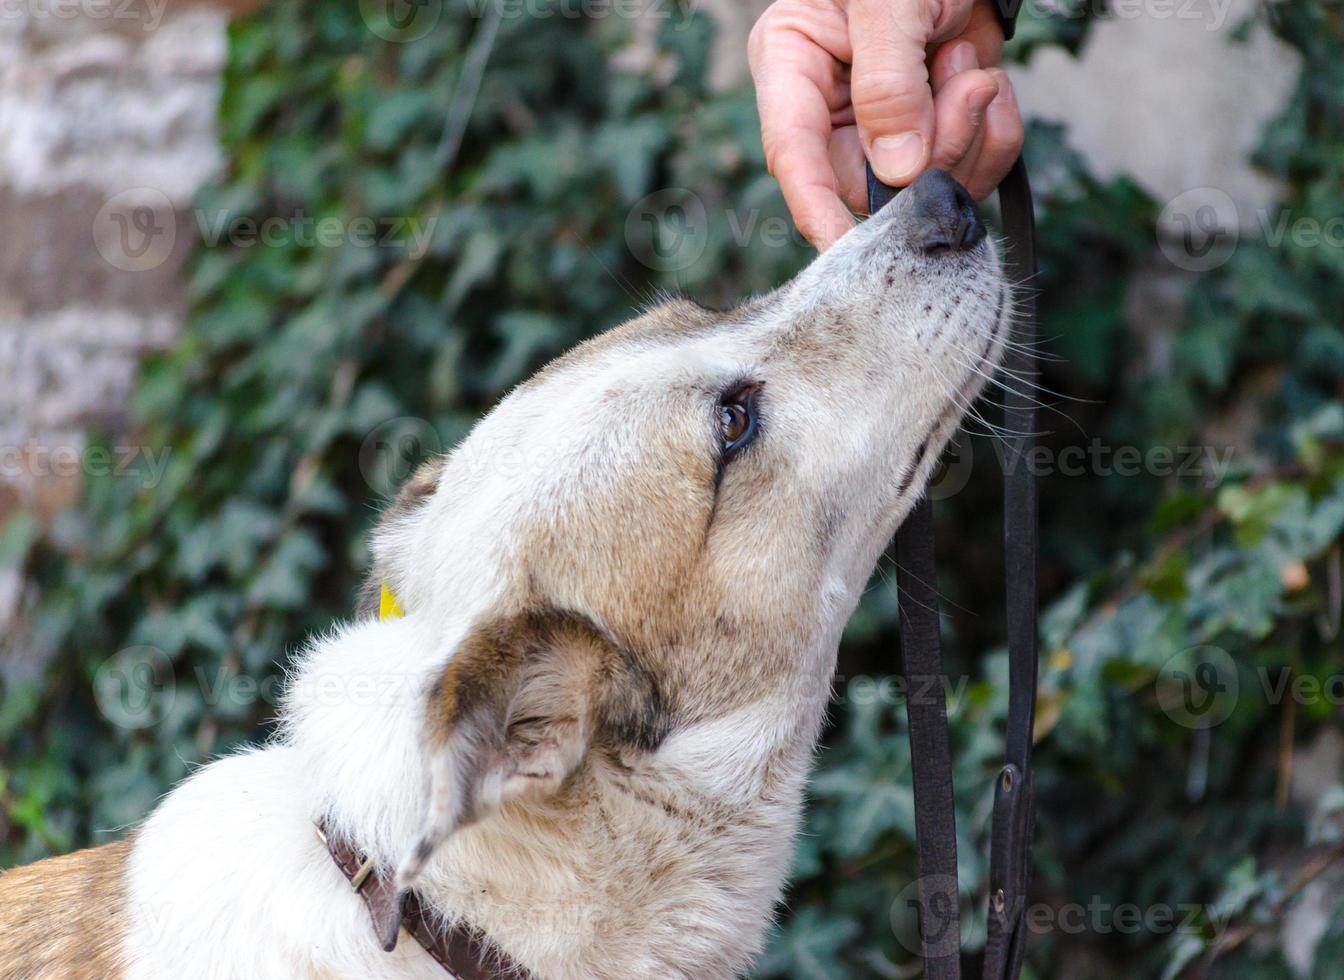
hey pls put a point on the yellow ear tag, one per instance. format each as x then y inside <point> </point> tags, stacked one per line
<point>388,606</point>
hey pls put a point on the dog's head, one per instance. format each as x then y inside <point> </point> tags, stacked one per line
<point>676,518</point>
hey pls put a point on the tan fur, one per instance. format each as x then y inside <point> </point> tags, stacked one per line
<point>674,318</point>
<point>639,558</point>
<point>65,918</point>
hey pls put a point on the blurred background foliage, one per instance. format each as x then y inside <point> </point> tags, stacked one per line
<point>312,377</point>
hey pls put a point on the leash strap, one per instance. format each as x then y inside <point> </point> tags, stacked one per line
<point>930,750</point>
<point>1014,793</point>
<point>921,658</point>
<point>1008,10</point>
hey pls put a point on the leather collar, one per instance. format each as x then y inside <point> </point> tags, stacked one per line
<point>462,950</point>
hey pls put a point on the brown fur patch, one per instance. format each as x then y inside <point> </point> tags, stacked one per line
<point>521,703</point>
<point>564,660</point>
<point>65,918</point>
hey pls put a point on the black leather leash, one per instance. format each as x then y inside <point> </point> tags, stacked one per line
<point>1014,793</point>
<point>921,654</point>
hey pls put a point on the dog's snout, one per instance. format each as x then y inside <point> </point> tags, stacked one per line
<point>945,218</point>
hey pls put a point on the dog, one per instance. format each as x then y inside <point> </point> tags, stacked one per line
<point>582,724</point>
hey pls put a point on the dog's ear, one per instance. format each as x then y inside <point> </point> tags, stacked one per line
<point>513,714</point>
<point>417,489</point>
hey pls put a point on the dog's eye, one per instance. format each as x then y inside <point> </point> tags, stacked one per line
<point>737,418</point>
<point>736,421</point>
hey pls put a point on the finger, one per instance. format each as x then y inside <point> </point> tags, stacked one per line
<point>889,80</point>
<point>800,160</point>
<point>984,31</point>
<point>960,112</point>
<point>791,79</point>
<point>963,171</point>
<point>949,60</point>
<point>1001,140</point>
<point>847,162</point>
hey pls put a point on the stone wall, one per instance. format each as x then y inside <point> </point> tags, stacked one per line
<point>107,128</point>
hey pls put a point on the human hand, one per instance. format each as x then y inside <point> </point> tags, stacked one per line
<point>905,84</point>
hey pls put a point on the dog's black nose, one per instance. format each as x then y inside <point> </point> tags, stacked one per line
<point>943,213</point>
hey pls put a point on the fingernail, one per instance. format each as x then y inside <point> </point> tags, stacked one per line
<point>1005,96</point>
<point>978,101</point>
<point>896,158</point>
<point>962,58</point>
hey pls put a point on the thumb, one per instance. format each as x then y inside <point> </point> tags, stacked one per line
<point>889,81</point>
